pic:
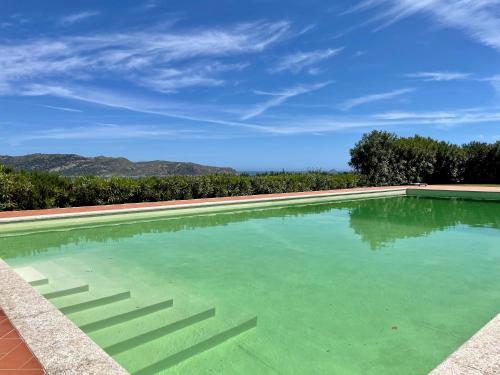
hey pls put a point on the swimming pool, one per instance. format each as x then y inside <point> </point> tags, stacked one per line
<point>389,285</point>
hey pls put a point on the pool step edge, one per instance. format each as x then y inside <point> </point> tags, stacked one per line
<point>165,330</point>
<point>198,348</point>
<point>66,292</point>
<point>127,316</point>
<point>95,303</point>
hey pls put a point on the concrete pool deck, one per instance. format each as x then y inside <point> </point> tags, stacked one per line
<point>62,348</point>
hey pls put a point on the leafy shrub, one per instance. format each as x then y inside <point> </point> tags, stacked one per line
<point>482,162</point>
<point>34,190</point>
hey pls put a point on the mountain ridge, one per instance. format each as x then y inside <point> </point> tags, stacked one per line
<point>76,165</point>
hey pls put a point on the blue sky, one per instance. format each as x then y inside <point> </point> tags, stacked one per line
<point>253,85</point>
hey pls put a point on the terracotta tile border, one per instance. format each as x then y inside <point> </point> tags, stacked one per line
<point>62,348</point>
<point>15,356</point>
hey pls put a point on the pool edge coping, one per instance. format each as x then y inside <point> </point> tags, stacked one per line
<point>450,191</point>
<point>197,203</point>
<point>479,355</point>
<point>19,311</point>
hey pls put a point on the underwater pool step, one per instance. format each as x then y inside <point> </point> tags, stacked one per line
<point>125,317</point>
<point>95,303</point>
<point>32,276</point>
<point>66,292</point>
<point>159,332</point>
<point>39,282</point>
<point>198,348</point>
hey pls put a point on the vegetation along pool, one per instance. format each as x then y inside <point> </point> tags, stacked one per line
<point>378,286</point>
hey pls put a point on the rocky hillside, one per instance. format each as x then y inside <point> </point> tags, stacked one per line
<point>76,165</point>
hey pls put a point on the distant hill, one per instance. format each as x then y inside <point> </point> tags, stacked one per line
<point>76,165</point>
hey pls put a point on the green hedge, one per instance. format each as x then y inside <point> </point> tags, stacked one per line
<point>34,190</point>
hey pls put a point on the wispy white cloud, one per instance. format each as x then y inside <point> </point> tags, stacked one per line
<point>479,19</point>
<point>297,62</point>
<point>106,132</point>
<point>401,115</point>
<point>158,60</point>
<point>494,78</point>
<point>111,99</point>
<point>494,81</point>
<point>64,109</point>
<point>279,126</point>
<point>19,19</point>
<point>440,76</point>
<point>276,125</point>
<point>354,102</point>
<point>331,124</point>
<point>171,79</point>
<point>150,4</point>
<point>77,17</point>
<point>306,29</point>
<point>455,117</point>
<point>282,124</point>
<point>281,97</point>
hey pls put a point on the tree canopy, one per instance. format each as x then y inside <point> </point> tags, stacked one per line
<point>387,159</point>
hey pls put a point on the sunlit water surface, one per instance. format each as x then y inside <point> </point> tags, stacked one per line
<point>382,286</point>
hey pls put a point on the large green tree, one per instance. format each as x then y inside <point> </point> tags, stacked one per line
<point>374,157</point>
<point>384,158</point>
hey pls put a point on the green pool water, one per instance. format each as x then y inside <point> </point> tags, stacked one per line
<point>379,286</point>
